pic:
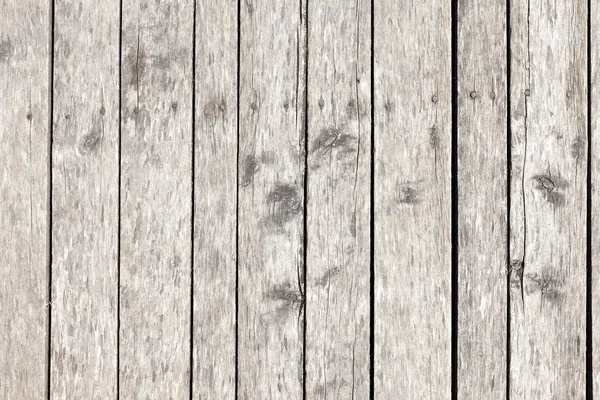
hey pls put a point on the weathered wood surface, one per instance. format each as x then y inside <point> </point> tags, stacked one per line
<point>271,197</point>
<point>156,196</point>
<point>85,171</point>
<point>549,127</point>
<point>24,176</point>
<point>215,201</point>
<point>338,200</point>
<point>412,107</point>
<point>284,200</point>
<point>482,203</point>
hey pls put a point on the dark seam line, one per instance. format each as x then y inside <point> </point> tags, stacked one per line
<point>305,216</point>
<point>237,200</point>
<point>454,201</point>
<point>49,231</point>
<point>588,311</point>
<point>508,195</point>
<point>193,219</point>
<point>372,212</point>
<point>119,206</point>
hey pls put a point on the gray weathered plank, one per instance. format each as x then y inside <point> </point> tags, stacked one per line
<point>338,208</point>
<point>549,153</point>
<point>595,205</point>
<point>215,200</point>
<point>482,199</point>
<point>271,178</point>
<point>412,199</point>
<point>156,195</point>
<point>24,138</point>
<point>85,171</point>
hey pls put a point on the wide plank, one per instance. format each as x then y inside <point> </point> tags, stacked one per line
<point>338,208</point>
<point>85,190</point>
<point>482,199</point>
<point>215,200</point>
<point>412,205</point>
<point>156,199</point>
<point>271,199</point>
<point>24,190</point>
<point>548,97</point>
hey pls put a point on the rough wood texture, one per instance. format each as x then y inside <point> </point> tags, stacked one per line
<point>156,197</point>
<point>215,200</point>
<point>338,209</point>
<point>482,199</point>
<point>271,196</point>
<point>549,107</point>
<point>412,199</point>
<point>24,139</point>
<point>85,170</point>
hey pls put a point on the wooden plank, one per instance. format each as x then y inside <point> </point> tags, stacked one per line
<point>412,199</point>
<point>338,207</point>
<point>549,130</point>
<point>482,206</point>
<point>215,200</point>
<point>24,138</point>
<point>271,196</point>
<point>156,196</point>
<point>595,186</point>
<point>85,170</point>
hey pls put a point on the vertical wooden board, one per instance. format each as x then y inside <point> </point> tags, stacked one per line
<point>338,207</point>
<point>412,199</point>
<point>271,196</point>
<point>594,136</point>
<point>85,200</point>
<point>549,127</point>
<point>482,199</point>
<point>215,200</point>
<point>24,139</point>
<point>156,195</point>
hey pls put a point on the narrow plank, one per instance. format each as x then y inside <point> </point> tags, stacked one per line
<point>412,199</point>
<point>338,207</point>
<point>549,159</point>
<point>85,170</point>
<point>156,196</point>
<point>595,186</point>
<point>482,208</point>
<point>215,200</point>
<point>24,138</point>
<point>271,196</point>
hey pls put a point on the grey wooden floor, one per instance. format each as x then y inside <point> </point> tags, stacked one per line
<point>334,199</point>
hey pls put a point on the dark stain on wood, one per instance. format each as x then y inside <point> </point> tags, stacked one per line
<point>250,168</point>
<point>551,188</point>
<point>6,50</point>
<point>284,203</point>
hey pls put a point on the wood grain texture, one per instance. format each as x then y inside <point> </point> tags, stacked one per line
<point>24,138</point>
<point>85,171</point>
<point>215,200</point>
<point>549,149</point>
<point>594,136</point>
<point>271,198</point>
<point>156,196</point>
<point>412,199</point>
<point>482,199</point>
<point>338,208</point>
